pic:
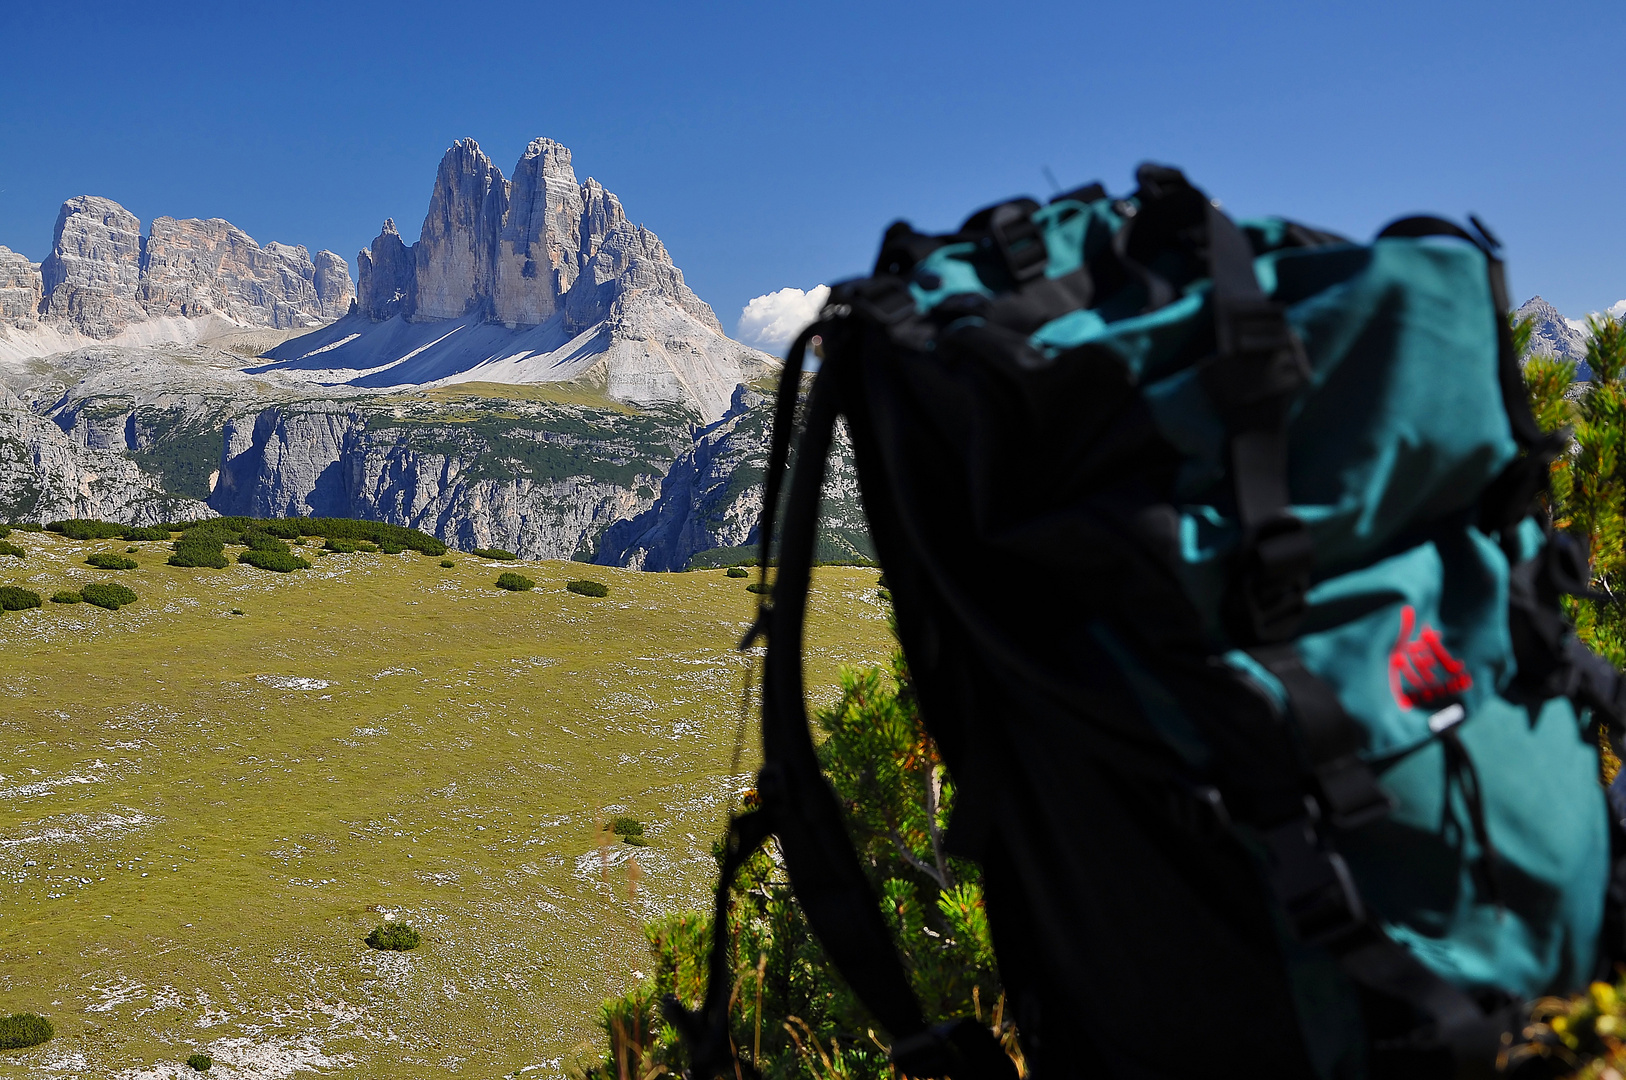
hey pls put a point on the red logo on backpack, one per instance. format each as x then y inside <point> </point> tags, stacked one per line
<point>1421,672</point>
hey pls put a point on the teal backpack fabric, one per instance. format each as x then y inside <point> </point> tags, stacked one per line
<point>1296,681</point>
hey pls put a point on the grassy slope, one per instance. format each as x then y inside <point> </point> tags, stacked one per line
<point>451,772</point>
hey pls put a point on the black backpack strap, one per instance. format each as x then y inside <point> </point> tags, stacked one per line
<point>797,803</point>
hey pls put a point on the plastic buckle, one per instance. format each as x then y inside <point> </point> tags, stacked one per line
<point>1313,884</point>
<point>1020,242</point>
<point>1275,578</point>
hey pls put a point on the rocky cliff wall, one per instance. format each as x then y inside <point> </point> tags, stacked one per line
<point>104,279</point>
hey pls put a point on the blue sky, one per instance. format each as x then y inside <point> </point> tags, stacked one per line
<point>769,144</point>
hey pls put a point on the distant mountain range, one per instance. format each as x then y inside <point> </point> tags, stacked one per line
<point>1555,335</point>
<point>531,374</point>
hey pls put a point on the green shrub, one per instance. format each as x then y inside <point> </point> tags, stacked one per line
<point>738,571</point>
<point>447,564</point>
<point>282,562</point>
<point>8,548</point>
<point>107,560</point>
<point>200,545</point>
<point>66,596</point>
<point>264,541</point>
<point>108,594</point>
<point>24,1029</point>
<point>494,553</point>
<point>131,550</point>
<point>200,1062</point>
<point>14,599</point>
<point>391,549</point>
<point>630,830</point>
<point>365,546</point>
<point>339,547</point>
<point>588,588</point>
<point>515,582</point>
<point>31,526</point>
<point>236,611</point>
<point>759,587</point>
<point>146,532</point>
<point>88,529</point>
<point>5,531</point>
<point>395,937</point>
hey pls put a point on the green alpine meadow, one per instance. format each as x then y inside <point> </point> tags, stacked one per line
<point>229,807</point>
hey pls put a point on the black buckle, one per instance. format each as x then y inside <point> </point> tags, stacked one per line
<point>1260,357</point>
<point>1274,578</point>
<point>1313,884</point>
<point>1019,240</point>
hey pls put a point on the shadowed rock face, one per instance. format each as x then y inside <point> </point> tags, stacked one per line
<point>104,277</point>
<point>456,252</point>
<point>387,281</point>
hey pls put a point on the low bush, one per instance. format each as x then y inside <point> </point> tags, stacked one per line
<point>200,1062</point>
<point>264,541</point>
<point>236,611</point>
<point>14,599</point>
<point>447,564</point>
<point>89,529</point>
<point>24,1029</point>
<point>515,582</point>
<point>369,548</point>
<point>394,937</point>
<point>5,531</point>
<point>391,549</point>
<point>199,546</point>
<point>630,830</point>
<point>759,587</point>
<point>108,594</point>
<point>283,562</point>
<point>107,560</point>
<point>31,526</point>
<point>146,532</point>
<point>8,548</point>
<point>587,588</point>
<point>339,547</point>
<point>494,553</point>
<point>66,596</point>
<point>131,550</point>
<point>738,571</point>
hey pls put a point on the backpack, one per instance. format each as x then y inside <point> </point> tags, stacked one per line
<point>1288,714</point>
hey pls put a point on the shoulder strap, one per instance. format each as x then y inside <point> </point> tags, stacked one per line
<point>796,802</point>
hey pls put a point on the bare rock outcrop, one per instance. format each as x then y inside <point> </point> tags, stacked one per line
<point>91,278</point>
<point>548,280</point>
<point>20,289</point>
<point>104,279</point>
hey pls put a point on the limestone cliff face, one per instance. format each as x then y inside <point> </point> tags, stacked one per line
<point>20,289</point>
<point>387,281</point>
<point>103,279</point>
<point>91,277</point>
<point>194,268</point>
<point>711,500</point>
<point>45,475</point>
<point>550,282</point>
<point>544,484</point>
<point>456,252</point>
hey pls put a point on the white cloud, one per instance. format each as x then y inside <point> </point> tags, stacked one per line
<point>771,322</point>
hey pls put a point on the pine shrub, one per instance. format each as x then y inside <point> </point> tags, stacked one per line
<point>515,582</point>
<point>447,564</point>
<point>66,596</point>
<point>8,548</point>
<point>339,547</point>
<point>367,547</point>
<point>107,560</point>
<point>89,529</point>
<point>587,588</point>
<point>394,937</point>
<point>738,571</point>
<point>391,549</point>
<point>199,547</point>
<point>108,594</point>
<point>5,531</point>
<point>630,830</point>
<point>494,553</point>
<point>282,562</point>
<point>759,587</point>
<point>13,598</point>
<point>146,532</point>
<point>200,1062</point>
<point>24,1029</point>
